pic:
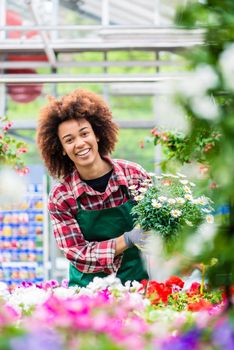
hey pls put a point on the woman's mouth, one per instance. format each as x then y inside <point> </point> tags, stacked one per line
<point>83,153</point>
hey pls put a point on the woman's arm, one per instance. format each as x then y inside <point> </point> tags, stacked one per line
<point>121,245</point>
<point>87,257</point>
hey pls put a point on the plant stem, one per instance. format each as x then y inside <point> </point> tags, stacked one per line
<point>203,278</point>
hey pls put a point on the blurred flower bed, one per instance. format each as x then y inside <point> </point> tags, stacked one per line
<point>109,315</point>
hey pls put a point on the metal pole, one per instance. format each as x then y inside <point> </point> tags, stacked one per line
<point>157,12</point>
<point>2,36</point>
<point>49,52</point>
<point>105,12</point>
<point>54,18</point>
<point>2,18</point>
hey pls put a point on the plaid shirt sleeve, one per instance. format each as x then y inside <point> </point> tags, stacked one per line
<point>87,257</point>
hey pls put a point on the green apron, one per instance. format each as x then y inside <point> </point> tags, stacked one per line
<point>101,225</point>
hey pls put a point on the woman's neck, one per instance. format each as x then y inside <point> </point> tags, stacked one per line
<point>95,171</point>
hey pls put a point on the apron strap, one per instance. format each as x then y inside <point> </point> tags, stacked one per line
<point>125,190</point>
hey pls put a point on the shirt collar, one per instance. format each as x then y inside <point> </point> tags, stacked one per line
<point>117,179</point>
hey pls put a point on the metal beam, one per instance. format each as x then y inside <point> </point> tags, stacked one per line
<point>111,38</point>
<point>101,78</point>
<point>82,64</point>
<point>124,124</point>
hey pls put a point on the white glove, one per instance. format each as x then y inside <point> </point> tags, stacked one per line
<point>137,237</point>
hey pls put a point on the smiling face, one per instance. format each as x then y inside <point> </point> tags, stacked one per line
<point>79,143</point>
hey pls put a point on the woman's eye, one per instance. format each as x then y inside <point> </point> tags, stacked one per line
<point>68,140</point>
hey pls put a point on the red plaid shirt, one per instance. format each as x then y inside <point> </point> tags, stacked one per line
<point>90,257</point>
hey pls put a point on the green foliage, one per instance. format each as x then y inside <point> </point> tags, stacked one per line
<point>185,149</point>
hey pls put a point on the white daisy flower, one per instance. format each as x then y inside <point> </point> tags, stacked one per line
<point>171,201</point>
<point>184,182</point>
<point>142,189</point>
<point>180,200</point>
<point>189,197</point>
<point>176,213</point>
<point>132,187</point>
<point>156,204</point>
<point>192,184</point>
<point>209,219</point>
<point>187,189</point>
<point>174,176</point>
<point>162,199</point>
<point>202,200</point>
<point>139,197</point>
<point>181,175</point>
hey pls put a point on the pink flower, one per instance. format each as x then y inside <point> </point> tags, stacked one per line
<point>22,150</point>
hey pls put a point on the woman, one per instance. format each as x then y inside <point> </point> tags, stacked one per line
<point>90,206</point>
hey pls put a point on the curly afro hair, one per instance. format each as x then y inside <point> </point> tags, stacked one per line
<point>76,105</point>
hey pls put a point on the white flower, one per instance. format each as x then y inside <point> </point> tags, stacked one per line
<point>198,82</point>
<point>192,184</point>
<point>184,182</point>
<point>174,176</point>
<point>138,198</point>
<point>188,196</point>
<point>181,175</point>
<point>202,200</point>
<point>187,189</point>
<point>180,200</point>
<point>12,188</point>
<point>156,204</point>
<point>62,292</point>
<point>152,174</point>
<point>205,107</point>
<point>195,243</point>
<point>209,219</point>
<point>171,201</point>
<point>28,297</point>
<point>142,189</point>
<point>4,293</point>
<point>133,187</point>
<point>162,199</point>
<point>226,62</point>
<point>176,213</point>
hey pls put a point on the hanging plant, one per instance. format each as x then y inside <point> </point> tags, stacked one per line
<point>11,150</point>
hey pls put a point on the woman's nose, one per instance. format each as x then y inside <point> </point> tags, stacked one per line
<point>79,142</point>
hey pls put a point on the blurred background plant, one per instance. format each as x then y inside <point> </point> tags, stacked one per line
<point>12,186</point>
<point>11,149</point>
<point>207,97</point>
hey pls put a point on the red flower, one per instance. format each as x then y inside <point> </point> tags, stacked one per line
<point>202,304</point>
<point>195,287</point>
<point>155,132</point>
<point>174,281</point>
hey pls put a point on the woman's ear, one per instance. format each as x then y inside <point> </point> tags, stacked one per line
<point>64,153</point>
